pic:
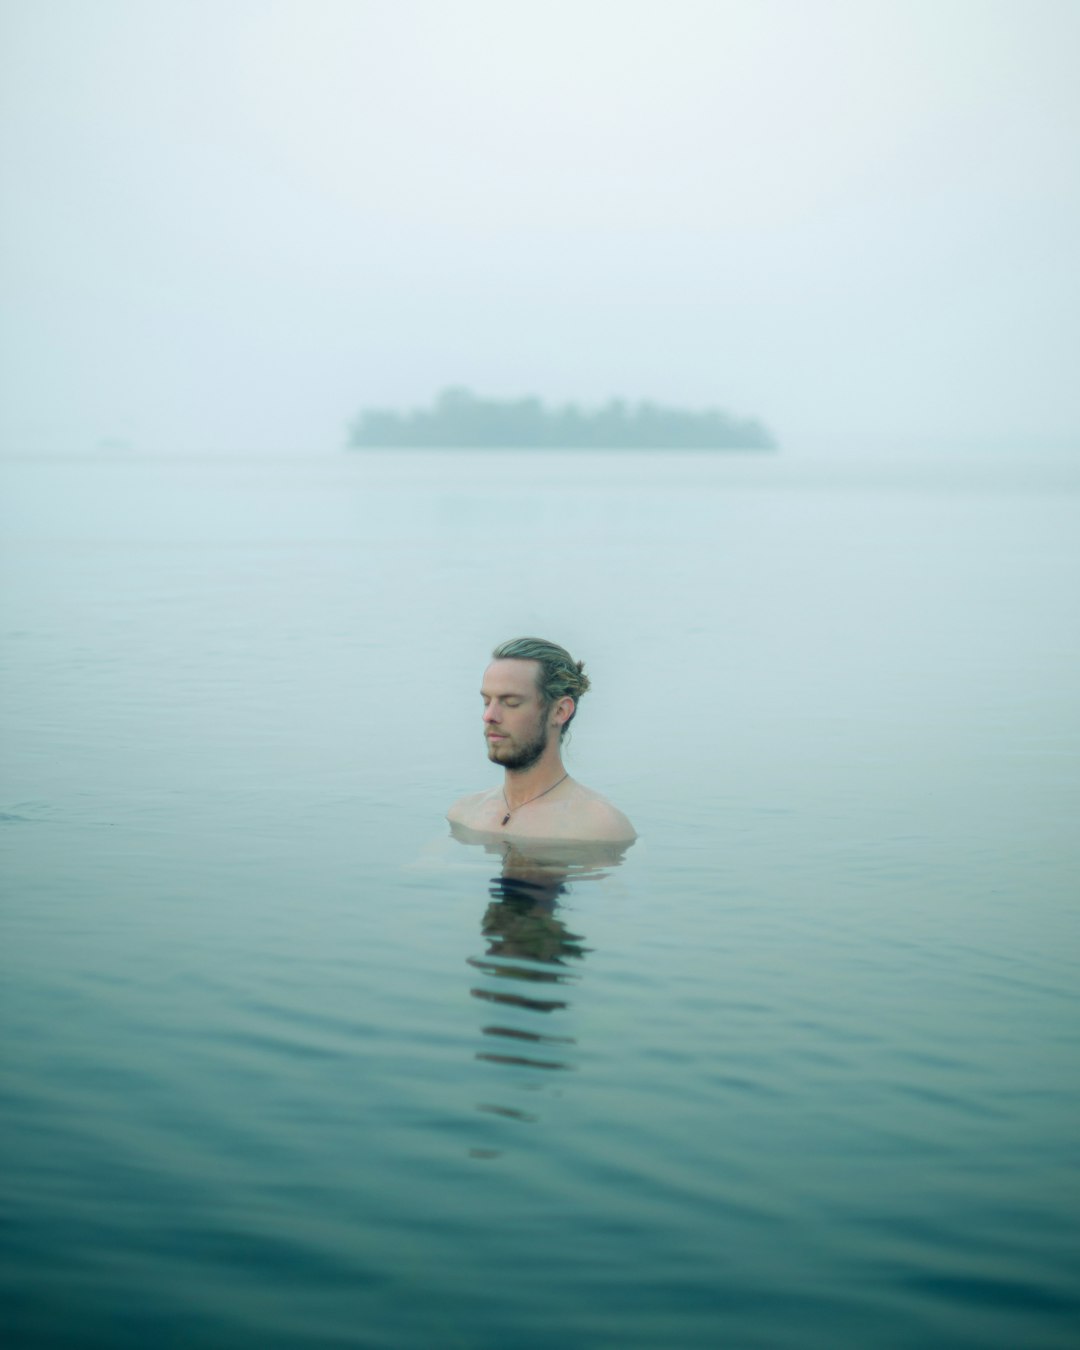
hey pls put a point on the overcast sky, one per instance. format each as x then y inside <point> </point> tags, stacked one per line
<point>229,224</point>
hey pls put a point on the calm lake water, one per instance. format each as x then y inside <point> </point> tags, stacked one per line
<point>285,1065</point>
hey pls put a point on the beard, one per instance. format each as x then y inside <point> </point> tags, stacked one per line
<point>523,755</point>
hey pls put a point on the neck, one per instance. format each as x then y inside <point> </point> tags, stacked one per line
<point>521,784</point>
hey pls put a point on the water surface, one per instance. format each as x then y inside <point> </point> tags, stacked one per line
<point>288,1064</point>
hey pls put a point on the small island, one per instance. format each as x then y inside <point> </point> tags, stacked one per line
<point>459,419</point>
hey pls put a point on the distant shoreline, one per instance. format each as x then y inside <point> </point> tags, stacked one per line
<point>499,448</point>
<point>458,420</point>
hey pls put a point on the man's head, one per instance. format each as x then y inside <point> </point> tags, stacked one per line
<point>530,688</point>
<point>557,675</point>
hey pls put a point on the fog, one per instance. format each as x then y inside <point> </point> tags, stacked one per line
<point>228,227</point>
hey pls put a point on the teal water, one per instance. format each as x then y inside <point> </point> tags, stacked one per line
<point>287,1065</point>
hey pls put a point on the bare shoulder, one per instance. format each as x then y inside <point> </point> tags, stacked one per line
<point>603,820</point>
<point>468,810</point>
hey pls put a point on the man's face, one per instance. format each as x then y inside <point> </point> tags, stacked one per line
<point>516,725</point>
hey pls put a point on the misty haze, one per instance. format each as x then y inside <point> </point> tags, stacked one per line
<point>731,345</point>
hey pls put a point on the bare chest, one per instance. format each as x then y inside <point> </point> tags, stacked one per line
<point>537,820</point>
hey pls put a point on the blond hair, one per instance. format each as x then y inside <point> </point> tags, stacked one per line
<point>560,676</point>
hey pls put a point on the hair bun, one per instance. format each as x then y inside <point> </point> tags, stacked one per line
<point>560,676</point>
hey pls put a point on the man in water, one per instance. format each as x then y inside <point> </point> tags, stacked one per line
<point>531,692</point>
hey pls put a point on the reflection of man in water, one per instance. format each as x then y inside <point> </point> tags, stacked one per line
<point>522,918</point>
<point>516,925</point>
<point>520,921</point>
<point>530,692</point>
<point>528,966</point>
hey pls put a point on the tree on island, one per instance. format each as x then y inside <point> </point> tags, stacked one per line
<point>460,420</point>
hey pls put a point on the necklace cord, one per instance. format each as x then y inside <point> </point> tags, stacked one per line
<point>511,809</point>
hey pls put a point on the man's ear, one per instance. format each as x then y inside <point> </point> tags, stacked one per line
<point>563,711</point>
